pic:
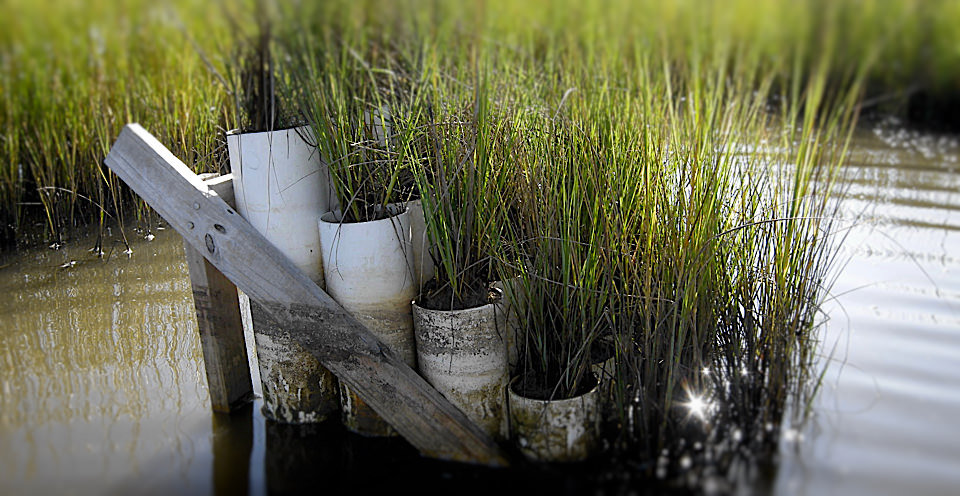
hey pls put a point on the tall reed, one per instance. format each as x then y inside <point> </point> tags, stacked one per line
<point>564,243</point>
<point>364,119</point>
<point>74,74</point>
<point>459,183</point>
<point>654,192</point>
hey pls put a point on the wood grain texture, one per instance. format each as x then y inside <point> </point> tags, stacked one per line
<point>319,324</point>
<point>221,334</point>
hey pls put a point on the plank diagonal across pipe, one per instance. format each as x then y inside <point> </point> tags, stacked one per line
<point>297,305</point>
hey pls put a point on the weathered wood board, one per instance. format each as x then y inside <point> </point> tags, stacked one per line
<point>221,334</point>
<point>219,323</point>
<point>423,416</point>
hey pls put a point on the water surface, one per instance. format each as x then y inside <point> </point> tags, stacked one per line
<point>886,418</point>
<point>101,372</point>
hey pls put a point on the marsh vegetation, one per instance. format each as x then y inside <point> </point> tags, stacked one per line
<point>656,174</point>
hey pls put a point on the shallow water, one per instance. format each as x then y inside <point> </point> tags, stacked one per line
<point>886,416</point>
<point>103,389</point>
<point>102,380</point>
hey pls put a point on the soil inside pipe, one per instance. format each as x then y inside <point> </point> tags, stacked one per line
<point>440,296</point>
<point>534,385</point>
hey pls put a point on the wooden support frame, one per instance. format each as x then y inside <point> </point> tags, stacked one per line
<point>394,390</point>
<point>219,323</point>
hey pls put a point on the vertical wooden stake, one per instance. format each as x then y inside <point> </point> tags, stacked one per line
<point>221,331</point>
<point>221,334</point>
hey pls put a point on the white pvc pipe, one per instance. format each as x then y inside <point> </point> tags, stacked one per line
<point>369,271</point>
<point>296,388</point>
<point>565,430</point>
<point>423,266</point>
<point>281,187</point>
<point>604,368</point>
<point>380,123</point>
<point>462,353</point>
<point>514,305</point>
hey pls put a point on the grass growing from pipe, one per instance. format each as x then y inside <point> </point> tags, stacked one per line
<point>676,199</point>
<point>364,120</point>
<point>681,204</point>
<point>459,183</point>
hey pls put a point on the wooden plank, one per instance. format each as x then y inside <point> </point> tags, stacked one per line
<point>423,416</point>
<point>221,334</point>
<point>219,325</point>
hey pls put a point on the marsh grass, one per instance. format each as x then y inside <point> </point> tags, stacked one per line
<point>73,74</point>
<point>672,194</point>
<point>262,96</point>
<point>364,115</point>
<point>460,183</point>
<point>565,246</point>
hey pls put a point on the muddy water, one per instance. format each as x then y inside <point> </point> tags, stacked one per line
<point>102,388</point>
<point>102,383</point>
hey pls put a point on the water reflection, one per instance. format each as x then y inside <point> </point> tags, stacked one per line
<point>232,445</point>
<point>698,407</point>
<point>100,367</point>
<point>303,458</point>
<point>84,341</point>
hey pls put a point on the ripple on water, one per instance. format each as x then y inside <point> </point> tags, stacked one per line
<point>886,413</point>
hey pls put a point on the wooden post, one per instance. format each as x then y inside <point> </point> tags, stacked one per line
<point>219,324</point>
<point>221,334</point>
<point>394,390</point>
